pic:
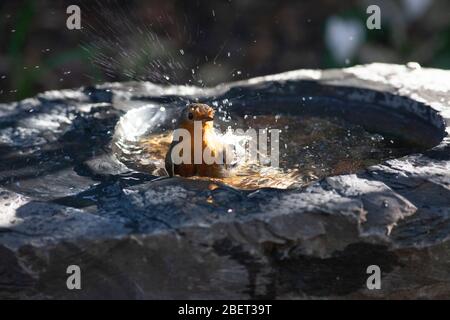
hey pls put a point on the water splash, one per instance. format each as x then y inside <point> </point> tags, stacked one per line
<point>125,44</point>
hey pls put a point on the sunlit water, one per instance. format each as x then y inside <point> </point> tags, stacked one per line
<point>310,148</point>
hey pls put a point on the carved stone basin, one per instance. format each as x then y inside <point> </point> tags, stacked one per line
<point>68,197</point>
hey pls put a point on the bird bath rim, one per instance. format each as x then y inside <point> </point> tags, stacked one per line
<point>377,111</point>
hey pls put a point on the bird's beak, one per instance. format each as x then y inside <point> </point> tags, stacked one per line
<point>209,118</point>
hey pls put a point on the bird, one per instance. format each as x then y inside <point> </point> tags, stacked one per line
<point>203,114</point>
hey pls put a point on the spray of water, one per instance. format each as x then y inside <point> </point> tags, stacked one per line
<point>149,46</point>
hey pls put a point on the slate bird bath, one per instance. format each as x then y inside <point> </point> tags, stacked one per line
<point>70,196</point>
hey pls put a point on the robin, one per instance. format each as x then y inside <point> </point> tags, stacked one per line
<point>200,115</point>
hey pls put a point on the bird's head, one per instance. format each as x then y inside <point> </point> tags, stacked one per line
<point>198,112</point>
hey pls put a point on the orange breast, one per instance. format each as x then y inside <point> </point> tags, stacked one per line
<point>203,169</point>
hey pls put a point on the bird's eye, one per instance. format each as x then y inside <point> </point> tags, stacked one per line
<point>190,116</point>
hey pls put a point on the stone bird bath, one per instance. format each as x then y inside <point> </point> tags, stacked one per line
<point>65,199</point>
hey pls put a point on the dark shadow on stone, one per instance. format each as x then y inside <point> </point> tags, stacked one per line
<point>96,193</point>
<point>101,278</point>
<point>439,153</point>
<point>13,281</point>
<point>226,248</point>
<point>342,274</point>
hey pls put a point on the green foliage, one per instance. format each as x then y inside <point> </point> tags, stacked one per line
<point>24,80</point>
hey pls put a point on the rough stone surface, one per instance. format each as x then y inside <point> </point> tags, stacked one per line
<point>65,199</point>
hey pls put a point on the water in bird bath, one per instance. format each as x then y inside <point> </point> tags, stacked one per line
<point>310,148</point>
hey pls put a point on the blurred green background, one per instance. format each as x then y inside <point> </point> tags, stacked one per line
<point>207,42</point>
